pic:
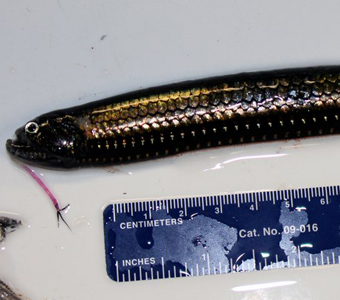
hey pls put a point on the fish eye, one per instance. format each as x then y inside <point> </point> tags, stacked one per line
<point>31,127</point>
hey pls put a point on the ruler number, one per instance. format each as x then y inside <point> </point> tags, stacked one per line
<point>252,207</point>
<point>323,201</point>
<point>217,210</point>
<point>181,213</point>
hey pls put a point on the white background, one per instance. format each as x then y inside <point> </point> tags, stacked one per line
<point>55,54</point>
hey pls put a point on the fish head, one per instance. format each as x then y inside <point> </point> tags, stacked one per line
<point>51,140</point>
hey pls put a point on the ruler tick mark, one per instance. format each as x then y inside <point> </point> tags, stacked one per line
<point>185,208</point>
<point>114,212</point>
<point>117,272</point>
<point>163,266</point>
<point>291,199</point>
<point>254,259</point>
<point>220,204</point>
<point>256,203</point>
<point>208,262</point>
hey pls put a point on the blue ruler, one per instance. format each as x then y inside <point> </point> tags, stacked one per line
<point>196,236</point>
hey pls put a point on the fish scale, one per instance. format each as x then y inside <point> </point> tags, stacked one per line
<point>162,121</point>
<point>237,105</point>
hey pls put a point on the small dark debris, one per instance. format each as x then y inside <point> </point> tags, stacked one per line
<point>197,241</point>
<point>103,37</point>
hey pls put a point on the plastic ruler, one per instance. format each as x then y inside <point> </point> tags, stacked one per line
<point>206,235</point>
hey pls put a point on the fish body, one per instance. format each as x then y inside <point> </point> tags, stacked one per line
<point>166,120</point>
<point>7,225</point>
<point>6,292</point>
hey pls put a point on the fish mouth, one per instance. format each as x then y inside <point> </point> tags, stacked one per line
<point>22,150</point>
<point>26,152</point>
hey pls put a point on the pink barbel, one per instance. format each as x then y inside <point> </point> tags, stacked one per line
<point>49,194</point>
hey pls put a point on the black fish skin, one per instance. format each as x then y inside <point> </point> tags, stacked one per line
<point>7,225</point>
<point>162,121</point>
